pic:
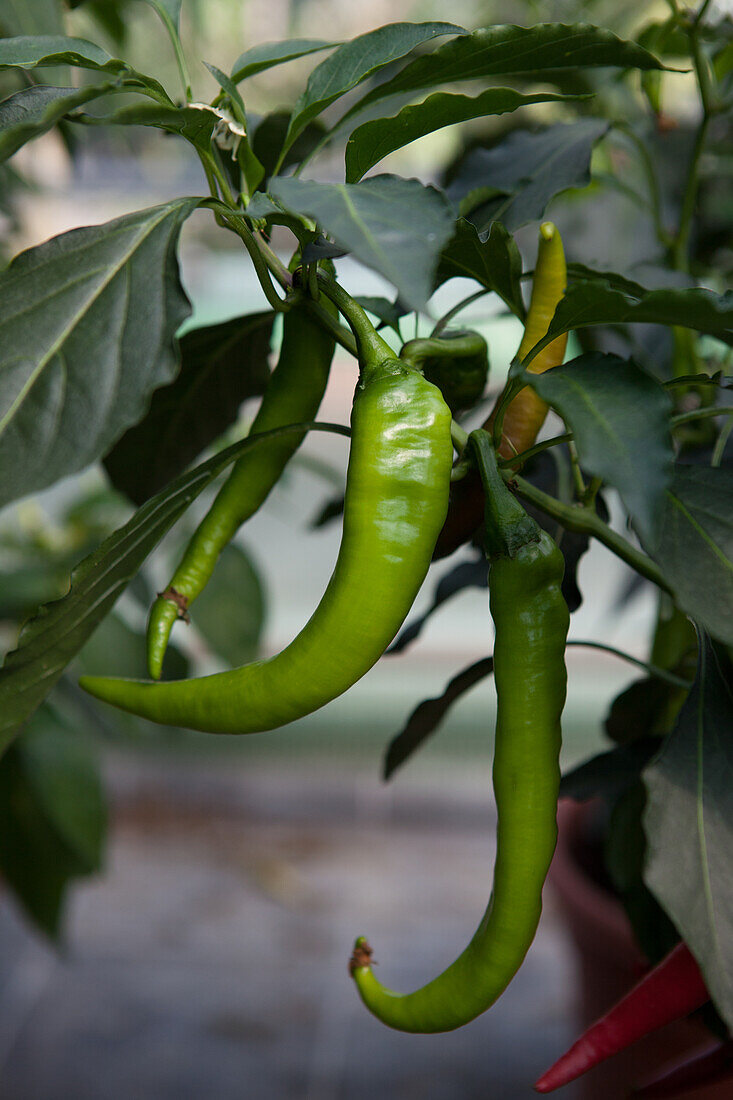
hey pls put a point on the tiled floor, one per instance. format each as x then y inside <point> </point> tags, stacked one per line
<point>210,962</point>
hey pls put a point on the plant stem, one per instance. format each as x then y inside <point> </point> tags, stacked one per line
<point>448,317</point>
<point>720,443</point>
<point>701,414</point>
<point>655,199</point>
<point>177,49</point>
<point>659,673</point>
<point>577,475</point>
<point>374,350</point>
<point>520,458</point>
<point>578,518</point>
<point>459,436</point>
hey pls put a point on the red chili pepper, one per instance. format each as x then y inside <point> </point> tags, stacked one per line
<point>671,990</point>
<point>712,1067</point>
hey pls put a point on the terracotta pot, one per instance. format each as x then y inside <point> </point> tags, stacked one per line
<point>609,963</point>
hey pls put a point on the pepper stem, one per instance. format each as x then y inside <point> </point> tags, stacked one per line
<point>373,350</point>
<point>507,527</point>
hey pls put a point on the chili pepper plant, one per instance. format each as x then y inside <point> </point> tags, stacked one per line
<point>583,196</point>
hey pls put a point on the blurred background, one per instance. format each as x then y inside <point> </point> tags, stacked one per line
<point>205,954</point>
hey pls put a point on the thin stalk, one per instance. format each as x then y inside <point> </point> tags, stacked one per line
<point>374,350</point>
<point>177,49</point>
<point>700,414</point>
<point>655,199</point>
<point>578,482</point>
<point>448,317</point>
<point>589,498</point>
<point>720,443</point>
<point>658,673</point>
<point>577,518</point>
<point>258,260</point>
<point>522,456</point>
<point>459,436</point>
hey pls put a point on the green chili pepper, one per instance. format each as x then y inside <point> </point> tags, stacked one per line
<point>293,396</point>
<point>456,362</point>
<point>531,620</point>
<point>396,500</point>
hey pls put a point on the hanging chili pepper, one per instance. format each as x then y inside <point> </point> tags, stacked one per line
<point>671,990</point>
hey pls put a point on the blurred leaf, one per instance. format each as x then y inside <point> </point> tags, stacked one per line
<point>610,773</point>
<point>230,612</point>
<point>266,54</point>
<point>695,545</point>
<point>620,418</point>
<point>269,136</point>
<point>467,574</point>
<point>33,111</point>
<point>639,710</point>
<point>31,17</point>
<point>389,313</point>
<point>86,334</point>
<point>62,772</point>
<point>494,262</point>
<point>221,366</point>
<point>354,61</point>
<point>690,802</point>
<point>599,303</point>
<point>504,49</point>
<point>52,818</point>
<point>332,509</point>
<point>515,181</point>
<point>426,717</point>
<point>116,645</point>
<point>375,140</point>
<point>396,227</point>
<point>58,630</point>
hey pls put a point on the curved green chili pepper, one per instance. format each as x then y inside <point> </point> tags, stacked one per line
<point>293,396</point>
<point>531,620</point>
<point>456,362</point>
<point>396,500</point>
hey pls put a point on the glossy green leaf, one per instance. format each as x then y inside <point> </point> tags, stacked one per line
<point>33,111</point>
<point>232,626</point>
<point>396,227</point>
<point>493,261</point>
<point>375,140</point>
<point>221,366</point>
<point>689,865</point>
<point>515,181</point>
<point>264,56</point>
<point>694,547</point>
<point>58,630</point>
<point>619,415</point>
<point>29,51</point>
<point>87,332</point>
<point>599,303</point>
<point>503,49</point>
<point>356,60</point>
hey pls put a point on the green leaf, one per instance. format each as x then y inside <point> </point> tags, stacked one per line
<point>494,262</point>
<point>267,54</point>
<point>195,123</point>
<point>503,49</point>
<point>269,137</point>
<point>395,226</point>
<point>515,181</point>
<point>29,51</point>
<point>581,273</point>
<point>58,630</point>
<point>374,140</point>
<point>221,366</point>
<point>428,715</point>
<point>695,545</point>
<point>689,808</point>
<point>388,313</point>
<point>32,51</point>
<point>87,326</point>
<point>356,60</point>
<point>599,303</point>
<point>35,110</point>
<point>620,417</point>
<point>52,818</point>
<point>232,628</point>
<point>62,772</point>
<point>30,17</point>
